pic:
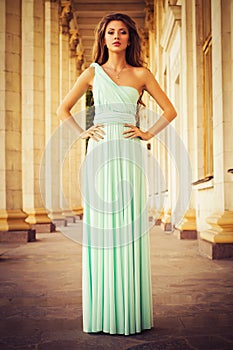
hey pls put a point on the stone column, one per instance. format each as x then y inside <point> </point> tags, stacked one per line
<point>51,182</point>
<point>77,152</point>
<point>33,118</point>
<point>186,229</point>
<point>12,218</point>
<point>156,145</point>
<point>217,241</point>
<point>65,132</point>
<point>170,41</point>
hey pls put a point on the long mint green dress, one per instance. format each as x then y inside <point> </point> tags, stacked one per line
<point>116,280</point>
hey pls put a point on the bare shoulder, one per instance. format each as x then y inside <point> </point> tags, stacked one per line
<point>87,75</point>
<point>142,74</point>
<point>140,70</point>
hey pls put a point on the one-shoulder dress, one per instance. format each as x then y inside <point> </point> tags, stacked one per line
<point>116,276</point>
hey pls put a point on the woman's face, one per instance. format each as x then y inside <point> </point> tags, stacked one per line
<point>116,36</point>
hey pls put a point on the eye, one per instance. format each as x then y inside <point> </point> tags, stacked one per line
<point>110,32</point>
<point>123,32</point>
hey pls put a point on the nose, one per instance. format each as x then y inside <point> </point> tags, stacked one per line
<point>116,36</point>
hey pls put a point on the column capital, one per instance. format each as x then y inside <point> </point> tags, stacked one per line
<point>145,41</point>
<point>149,18</point>
<point>65,17</point>
<point>79,58</point>
<point>73,41</point>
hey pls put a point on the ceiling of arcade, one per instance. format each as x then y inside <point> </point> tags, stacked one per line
<point>79,18</point>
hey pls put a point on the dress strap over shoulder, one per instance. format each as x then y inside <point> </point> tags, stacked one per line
<point>94,64</point>
<point>113,103</point>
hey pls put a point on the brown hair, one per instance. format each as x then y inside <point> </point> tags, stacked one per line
<point>133,51</point>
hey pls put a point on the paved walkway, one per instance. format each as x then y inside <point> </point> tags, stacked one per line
<point>40,305</point>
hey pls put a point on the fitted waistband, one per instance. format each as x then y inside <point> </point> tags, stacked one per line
<point>114,117</point>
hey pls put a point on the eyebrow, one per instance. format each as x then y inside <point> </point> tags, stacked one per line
<point>119,28</point>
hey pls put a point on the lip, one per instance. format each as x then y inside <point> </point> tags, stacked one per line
<point>116,43</point>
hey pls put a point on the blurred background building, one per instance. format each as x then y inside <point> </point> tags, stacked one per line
<point>188,45</point>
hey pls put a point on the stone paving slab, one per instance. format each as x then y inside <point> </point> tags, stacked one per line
<point>40,298</point>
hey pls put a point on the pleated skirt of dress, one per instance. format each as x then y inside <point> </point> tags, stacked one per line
<point>116,276</point>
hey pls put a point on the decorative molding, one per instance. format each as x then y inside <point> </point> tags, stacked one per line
<point>76,49</point>
<point>149,18</point>
<point>79,58</point>
<point>145,41</point>
<point>65,17</point>
<point>173,18</point>
<point>73,41</point>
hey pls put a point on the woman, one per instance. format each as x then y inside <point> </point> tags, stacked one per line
<point>117,297</point>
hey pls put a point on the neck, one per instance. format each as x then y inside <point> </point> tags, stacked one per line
<point>117,61</point>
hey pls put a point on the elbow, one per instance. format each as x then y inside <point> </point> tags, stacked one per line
<point>61,113</point>
<point>171,114</point>
<point>174,114</point>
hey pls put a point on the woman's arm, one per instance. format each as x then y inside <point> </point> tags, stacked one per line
<point>169,113</point>
<point>78,90</point>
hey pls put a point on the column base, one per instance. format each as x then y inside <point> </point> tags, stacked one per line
<point>22,237</point>
<point>185,234</point>
<point>159,218</point>
<point>57,218</point>
<point>166,226</point>
<point>152,214</point>
<point>39,220</point>
<point>69,215</point>
<point>215,250</point>
<point>78,212</point>
<point>44,228</point>
<point>60,222</point>
<point>166,223</point>
<point>13,220</point>
<point>70,219</point>
<point>187,228</point>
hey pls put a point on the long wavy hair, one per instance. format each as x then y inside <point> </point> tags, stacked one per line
<point>133,51</point>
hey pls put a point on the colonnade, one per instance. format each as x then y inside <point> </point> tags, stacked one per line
<point>37,69</point>
<point>188,47</point>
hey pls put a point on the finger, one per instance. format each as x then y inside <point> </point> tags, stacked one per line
<point>97,128</point>
<point>100,130</point>
<point>98,135</point>
<point>128,131</point>
<point>130,135</point>
<point>95,135</point>
<point>94,138</point>
<point>133,136</point>
<point>130,125</point>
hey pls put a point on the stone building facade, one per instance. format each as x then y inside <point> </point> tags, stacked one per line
<point>188,46</point>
